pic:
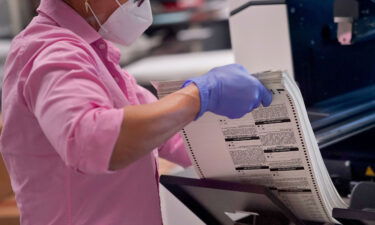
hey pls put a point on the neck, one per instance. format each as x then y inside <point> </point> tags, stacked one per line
<point>80,8</point>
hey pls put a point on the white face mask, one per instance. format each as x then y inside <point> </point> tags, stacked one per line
<point>127,23</point>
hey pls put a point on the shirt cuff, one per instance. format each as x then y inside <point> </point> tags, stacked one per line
<point>100,141</point>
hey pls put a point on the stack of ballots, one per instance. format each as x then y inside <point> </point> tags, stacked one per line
<point>272,146</point>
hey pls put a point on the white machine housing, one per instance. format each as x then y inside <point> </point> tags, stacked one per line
<point>260,35</point>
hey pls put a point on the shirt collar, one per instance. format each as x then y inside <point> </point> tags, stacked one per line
<point>67,18</point>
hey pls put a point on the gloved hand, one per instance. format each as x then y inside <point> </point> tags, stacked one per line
<point>230,91</point>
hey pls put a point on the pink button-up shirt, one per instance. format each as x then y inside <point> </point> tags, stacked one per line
<point>63,99</point>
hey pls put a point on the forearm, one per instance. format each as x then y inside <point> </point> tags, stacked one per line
<point>146,127</point>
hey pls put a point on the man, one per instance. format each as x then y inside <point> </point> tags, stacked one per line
<point>80,137</point>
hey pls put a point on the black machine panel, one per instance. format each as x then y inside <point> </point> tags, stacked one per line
<point>323,67</point>
<point>337,83</point>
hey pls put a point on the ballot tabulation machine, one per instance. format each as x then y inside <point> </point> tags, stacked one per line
<point>328,46</point>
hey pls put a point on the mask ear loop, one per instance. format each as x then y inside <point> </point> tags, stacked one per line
<point>89,8</point>
<point>118,3</point>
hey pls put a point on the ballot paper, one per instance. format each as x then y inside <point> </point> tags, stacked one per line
<point>272,146</point>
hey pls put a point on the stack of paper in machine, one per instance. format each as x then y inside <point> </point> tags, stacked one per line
<point>273,146</point>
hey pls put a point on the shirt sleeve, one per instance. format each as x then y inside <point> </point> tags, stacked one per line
<point>174,149</point>
<point>73,107</point>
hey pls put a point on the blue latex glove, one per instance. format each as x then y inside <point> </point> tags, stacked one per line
<point>230,91</point>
